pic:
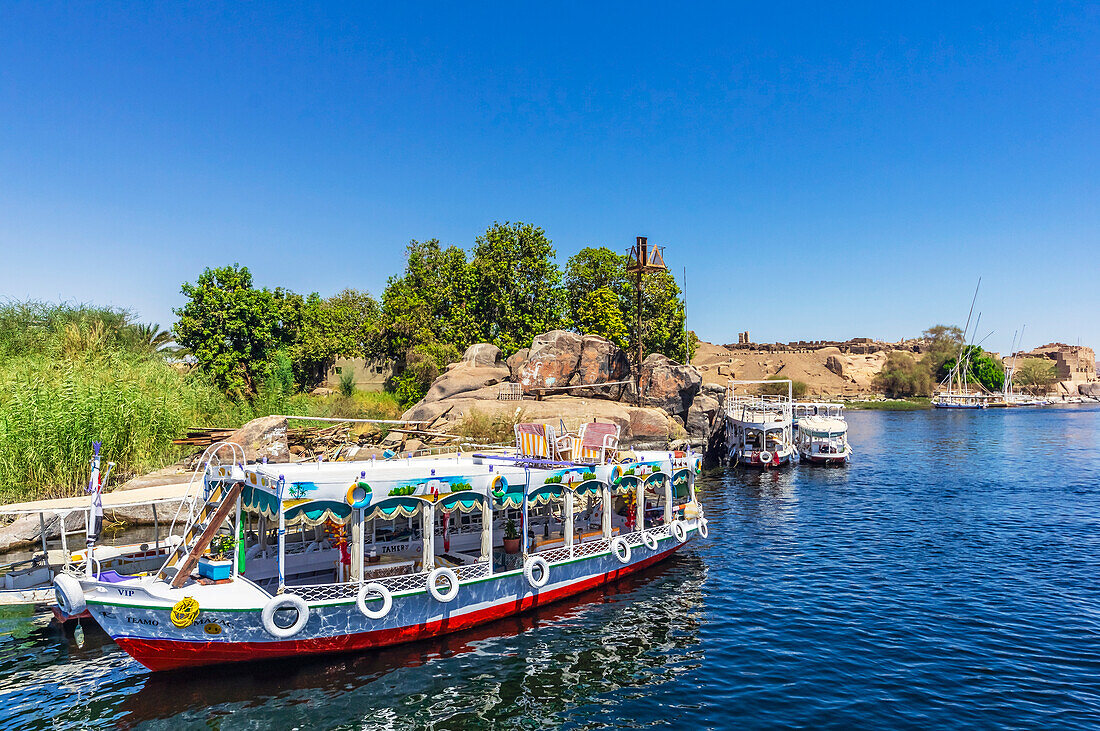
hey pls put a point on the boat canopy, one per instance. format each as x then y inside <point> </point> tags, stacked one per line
<point>317,492</point>
<point>821,426</point>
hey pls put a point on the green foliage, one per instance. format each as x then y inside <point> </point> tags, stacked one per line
<point>432,301</point>
<point>233,329</point>
<point>1036,375</point>
<point>221,547</point>
<point>516,285</point>
<point>347,384</point>
<point>591,311</point>
<point>345,325</point>
<point>511,532</point>
<point>944,342</point>
<point>911,404</point>
<point>903,376</point>
<point>423,364</point>
<point>798,388</point>
<point>598,313</point>
<point>981,369</point>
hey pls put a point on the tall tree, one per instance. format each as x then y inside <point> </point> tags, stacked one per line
<point>344,325</point>
<point>517,285</point>
<point>663,314</point>
<point>233,329</point>
<point>944,342</point>
<point>432,301</point>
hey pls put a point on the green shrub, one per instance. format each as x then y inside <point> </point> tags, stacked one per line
<point>903,376</point>
<point>347,384</point>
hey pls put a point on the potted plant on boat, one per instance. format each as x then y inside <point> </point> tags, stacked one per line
<point>511,537</point>
<point>218,565</point>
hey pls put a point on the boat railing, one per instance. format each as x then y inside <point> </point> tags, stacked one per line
<point>592,548</point>
<point>471,571</point>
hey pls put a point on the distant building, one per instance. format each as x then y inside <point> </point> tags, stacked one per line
<point>370,374</point>
<point>1075,364</point>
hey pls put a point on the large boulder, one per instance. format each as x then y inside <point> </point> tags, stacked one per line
<point>466,377</point>
<point>669,385</point>
<point>1089,389</point>
<point>263,437</point>
<point>601,361</point>
<point>835,365</point>
<point>701,416</point>
<point>482,354</point>
<point>516,361</point>
<point>553,360</point>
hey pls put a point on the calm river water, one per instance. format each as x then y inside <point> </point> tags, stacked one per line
<point>946,578</point>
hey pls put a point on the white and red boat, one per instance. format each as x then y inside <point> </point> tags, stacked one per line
<point>347,556</point>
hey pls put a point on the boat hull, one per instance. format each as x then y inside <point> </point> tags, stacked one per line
<point>237,635</point>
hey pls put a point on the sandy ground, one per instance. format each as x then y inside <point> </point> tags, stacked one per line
<point>718,365</point>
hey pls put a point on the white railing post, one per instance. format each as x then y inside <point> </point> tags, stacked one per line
<point>567,520</point>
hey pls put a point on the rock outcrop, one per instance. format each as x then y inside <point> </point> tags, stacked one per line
<point>464,377</point>
<point>835,365</point>
<point>672,411</point>
<point>601,361</point>
<point>482,354</point>
<point>552,361</point>
<point>263,437</point>
<point>668,385</point>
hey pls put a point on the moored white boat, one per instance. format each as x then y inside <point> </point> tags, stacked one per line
<point>414,548</point>
<point>823,439</point>
<point>759,429</point>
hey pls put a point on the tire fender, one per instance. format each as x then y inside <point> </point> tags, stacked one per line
<point>620,549</point>
<point>374,588</point>
<point>433,588</point>
<point>283,601</point>
<point>69,595</point>
<point>539,564</point>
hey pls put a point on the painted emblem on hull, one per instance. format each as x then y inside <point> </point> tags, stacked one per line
<point>212,628</point>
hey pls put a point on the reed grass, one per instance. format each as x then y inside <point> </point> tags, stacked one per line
<point>68,379</point>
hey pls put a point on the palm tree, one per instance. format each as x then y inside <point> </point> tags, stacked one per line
<point>148,339</point>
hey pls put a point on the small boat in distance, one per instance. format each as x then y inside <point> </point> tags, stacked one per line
<point>821,433</point>
<point>957,393</point>
<point>759,429</point>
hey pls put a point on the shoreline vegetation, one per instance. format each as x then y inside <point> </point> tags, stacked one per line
<point>916,403</point>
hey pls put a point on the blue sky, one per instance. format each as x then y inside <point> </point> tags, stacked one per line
<point>820,173</point>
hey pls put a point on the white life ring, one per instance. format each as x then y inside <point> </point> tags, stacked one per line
<point>621,549</point>
<point>433,589</point>
<point>765,457</point>
<point>285,601</point>
<point>649,540</point>
<point>679,532</point>
<point>701,526</point>
<point>69,595</point>
<point>374,588</point>
<point>536,563</point>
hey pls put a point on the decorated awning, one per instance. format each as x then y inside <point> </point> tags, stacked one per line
<point>590,487</point>
<point>656,481</point>
<point>260,502</point>
<point>397,507</point>
<point>315,512</point>
<point>626,484</point>
<point>681,479</point>
<point>463,502</point>
<point>545,494</point>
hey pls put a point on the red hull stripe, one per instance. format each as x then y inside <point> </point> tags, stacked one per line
<point>160,654</point>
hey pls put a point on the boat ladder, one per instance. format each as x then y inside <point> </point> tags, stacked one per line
<point>200,531</point>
